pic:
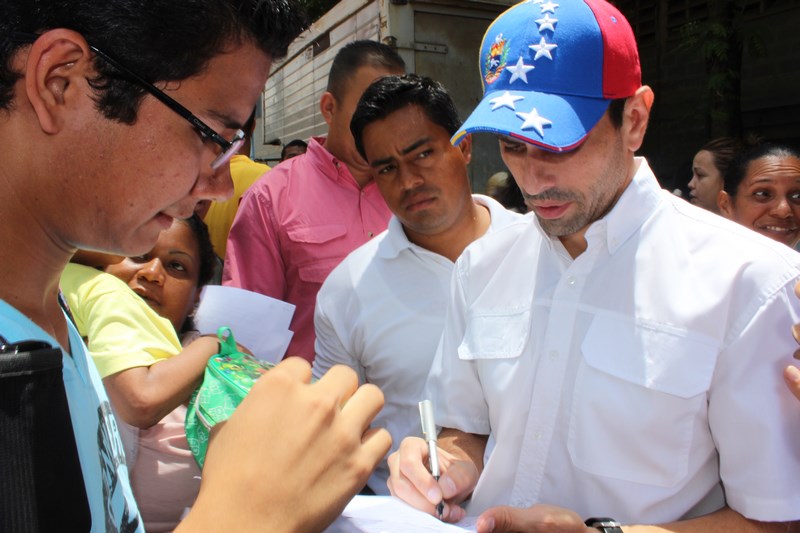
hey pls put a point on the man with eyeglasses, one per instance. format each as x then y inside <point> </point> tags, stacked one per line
<point>114,120</point>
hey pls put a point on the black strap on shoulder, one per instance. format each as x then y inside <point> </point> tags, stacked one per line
<point>41,482</point>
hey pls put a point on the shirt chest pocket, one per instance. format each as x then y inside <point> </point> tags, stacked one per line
<point>316,250</point>
<point>498,334</point>
<point>640,393</point>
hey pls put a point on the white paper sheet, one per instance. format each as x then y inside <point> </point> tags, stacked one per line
<point>385,514</point>
<point>258,322</point>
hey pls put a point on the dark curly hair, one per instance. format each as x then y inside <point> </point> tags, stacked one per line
<point>208,258</point>
<point>161,40</point>
<point>390,93</point>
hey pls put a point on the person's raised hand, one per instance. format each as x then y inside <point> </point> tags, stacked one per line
<point>534,519</point>
<point>791,374</point>
<point>411,481</point>
<point>292,454</point>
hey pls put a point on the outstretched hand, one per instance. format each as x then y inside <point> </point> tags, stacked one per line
<point>791,374</point>
<point>538,518</point>
<point>292,454</point>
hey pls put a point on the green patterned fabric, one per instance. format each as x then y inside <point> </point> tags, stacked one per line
<point>228,378</point>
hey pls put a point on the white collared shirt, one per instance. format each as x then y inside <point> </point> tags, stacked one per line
<point>381,312</point>
<point>631,381</point>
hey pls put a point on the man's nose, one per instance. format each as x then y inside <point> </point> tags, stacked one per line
<point>216,185</point>
<point>536,173</point>
<point>408,178</point>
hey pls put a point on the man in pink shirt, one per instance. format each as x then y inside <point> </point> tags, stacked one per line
<point>302,218</point>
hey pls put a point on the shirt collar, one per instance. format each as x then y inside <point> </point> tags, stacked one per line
<point>395,239</point>
<point>330,166</point>
<point>637,203</point>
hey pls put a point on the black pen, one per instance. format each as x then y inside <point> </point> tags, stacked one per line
<point>429,432</point>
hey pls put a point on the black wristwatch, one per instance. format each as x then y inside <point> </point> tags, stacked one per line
<point>605,524</point>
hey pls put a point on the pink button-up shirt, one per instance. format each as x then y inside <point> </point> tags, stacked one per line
<point>294,225</point>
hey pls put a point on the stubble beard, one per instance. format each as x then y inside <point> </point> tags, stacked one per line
<point>587,208</point>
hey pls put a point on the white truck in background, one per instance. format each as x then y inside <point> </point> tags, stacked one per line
<point>436,38</point>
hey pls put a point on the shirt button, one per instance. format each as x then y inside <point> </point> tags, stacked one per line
<point>571,281</point>
<point>370,234</point>
<point>553,354</point>
<point>537,435</point>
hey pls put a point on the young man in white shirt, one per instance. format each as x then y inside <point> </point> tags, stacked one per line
<point>381,311</point>
<point>608,392</point>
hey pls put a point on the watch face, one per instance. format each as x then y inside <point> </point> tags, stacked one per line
<point>608,525</point>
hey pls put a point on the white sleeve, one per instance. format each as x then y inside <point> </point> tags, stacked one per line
<point>333,326</point>
<point>750,409</point>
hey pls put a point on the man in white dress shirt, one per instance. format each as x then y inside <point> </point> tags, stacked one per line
<point>381,311</point>
<point>601,389</point>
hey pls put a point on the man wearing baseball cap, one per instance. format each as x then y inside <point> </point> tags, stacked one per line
<point>577,389</point>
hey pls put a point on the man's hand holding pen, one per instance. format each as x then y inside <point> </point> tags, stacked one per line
<point>430,433</point>
<point>411,480</point>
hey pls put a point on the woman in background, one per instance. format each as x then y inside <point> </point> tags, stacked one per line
<point>762,192</point>
<point>708,170</point>
<point>130,316</point>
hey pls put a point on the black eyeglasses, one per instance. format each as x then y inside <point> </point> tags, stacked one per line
<point>206,132</point>
<point>229,148</point>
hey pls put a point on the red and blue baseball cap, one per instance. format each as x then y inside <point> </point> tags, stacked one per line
<point>550,70</point>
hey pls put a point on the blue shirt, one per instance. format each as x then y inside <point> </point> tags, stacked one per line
<point>100,451</point>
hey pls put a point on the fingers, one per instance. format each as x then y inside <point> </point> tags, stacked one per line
<point>340,382</point>
<point>296,367</point>
<point>792,376</point>
<point>505,519</point>
<point>410,480</point>
<point>364,404</point>
<point>376,442</point>
<point>797,289</point>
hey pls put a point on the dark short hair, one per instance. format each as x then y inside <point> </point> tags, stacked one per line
<point>723,151</point>
<point>208,258</point>
<point>390,93</point>
<point>295,142</point>
<point>741,163</point>
<point>615,110</point>
<point>161,40</point>
<point>357,54</point>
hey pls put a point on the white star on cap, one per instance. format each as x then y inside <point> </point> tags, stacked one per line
<point>546,23</point>
<point>533,120</point>
<point>549,7</point>
<point>543,49</point>
<point>519,71</point>
<point>505,100</point>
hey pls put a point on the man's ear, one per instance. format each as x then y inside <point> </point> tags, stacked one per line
<point>58,64</point>
<point>725,204</point>
<point>466,148</point>
<point>327,106</point>
<point>635,117</point>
